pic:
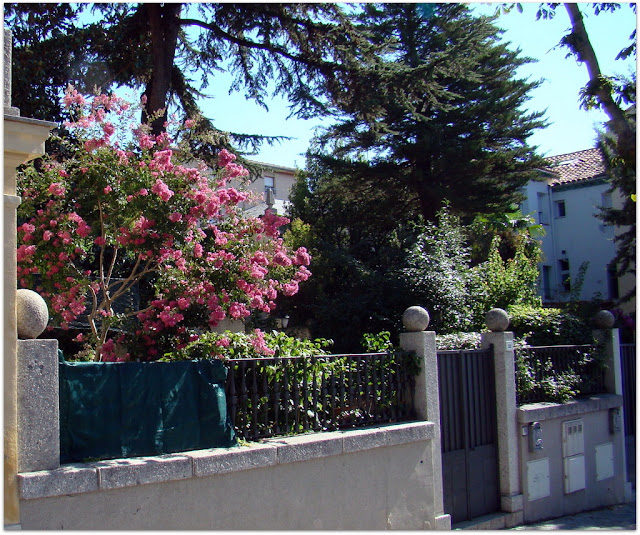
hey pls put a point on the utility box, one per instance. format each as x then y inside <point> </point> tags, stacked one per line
<point>572,438</point>
<point>604,461</point>
<point>573,455</point>
<point>535,436</point>
<point>574,474</point>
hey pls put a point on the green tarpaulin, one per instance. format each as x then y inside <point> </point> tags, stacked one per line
<point>111,410</point>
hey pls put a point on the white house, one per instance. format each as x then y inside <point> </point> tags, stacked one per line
<point>565,204</point>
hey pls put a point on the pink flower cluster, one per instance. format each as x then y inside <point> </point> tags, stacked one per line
<point>166,219</point>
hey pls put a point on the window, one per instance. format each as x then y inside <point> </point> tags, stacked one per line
<point>606,200</point>
<point>269,184</point>
<point>542,209</point>
<point>565,275</point>
<point>561,209</point>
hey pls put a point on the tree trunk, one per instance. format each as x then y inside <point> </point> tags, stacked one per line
<point>164,24</point>
<point>583,50</point>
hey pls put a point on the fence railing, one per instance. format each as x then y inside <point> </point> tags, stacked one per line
<point>548,373</point>
<point>280,396</point>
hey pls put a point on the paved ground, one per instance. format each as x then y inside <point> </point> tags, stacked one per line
<point>609,518</point>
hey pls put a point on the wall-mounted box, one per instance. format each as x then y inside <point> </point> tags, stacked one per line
<point>572,438</point>
<point>615,420</point>
<point>574,474</point>
<point>604,461</point>
<point>535,436</point>
<point>538,483</point>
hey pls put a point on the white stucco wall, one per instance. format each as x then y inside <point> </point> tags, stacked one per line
<point>583,237</point>
<point>578,236</point>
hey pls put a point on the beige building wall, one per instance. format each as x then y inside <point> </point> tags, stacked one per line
<point>277,178</point>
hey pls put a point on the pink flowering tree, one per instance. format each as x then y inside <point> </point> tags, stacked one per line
<point>121,207</point>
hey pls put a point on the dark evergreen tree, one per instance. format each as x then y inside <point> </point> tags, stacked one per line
<point>357,253</point>
<point>442,120</point>
<point>171,52</point>
<point>49,52</point>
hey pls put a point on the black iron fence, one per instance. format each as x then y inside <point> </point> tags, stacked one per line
<point>280,396</point>
<point>558,373</point>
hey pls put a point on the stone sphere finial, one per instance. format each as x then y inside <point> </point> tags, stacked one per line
<point>497,320</point>
<point>604,319</point>
<point>415,319</point>
<point>32,314</point>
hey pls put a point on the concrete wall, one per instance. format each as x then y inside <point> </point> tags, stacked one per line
<point>544,471</point>
<point>382,477</point>
<point>378,478</point>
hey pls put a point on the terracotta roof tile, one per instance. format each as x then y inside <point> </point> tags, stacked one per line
<point>576,166</point>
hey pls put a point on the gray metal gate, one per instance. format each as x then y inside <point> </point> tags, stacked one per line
<point>628,365</point>
<point>468,433</point>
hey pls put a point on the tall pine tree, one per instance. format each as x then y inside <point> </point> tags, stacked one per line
<point>442,120</point>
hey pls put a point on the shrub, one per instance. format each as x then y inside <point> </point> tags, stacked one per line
<point>438,275</point>
<point>120,209</point>
<point>458,341</point>
<point>498,283</point>
<point>548,326</point>
<point>230,345</point>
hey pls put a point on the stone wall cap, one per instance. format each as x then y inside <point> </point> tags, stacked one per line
<point>29,120</point>
<point>533,412</point>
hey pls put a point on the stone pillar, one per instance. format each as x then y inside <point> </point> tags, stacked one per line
<point>8,46</point>
<point>609,338</point>
<point>38,406</point>
<point>23,139</point>
<point>427,395</point>
<point>511,497</point>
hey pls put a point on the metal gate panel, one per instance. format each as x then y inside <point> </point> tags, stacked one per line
<point>468,433</point>
<point>628,365</point>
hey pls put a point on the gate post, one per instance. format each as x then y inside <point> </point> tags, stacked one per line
<point>426,395</point>
<point>511,497</point>
<point>609,338</point>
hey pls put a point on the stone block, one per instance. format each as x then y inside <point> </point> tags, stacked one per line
<point>410,432</point>
<point>221,460</point>
<point>67,480</point>
<point>512,504</point>
<point>363,439</point>
<point>38,405</point>
<point>119,473</point>
<point>443,523</point>
<point>306,447</point>
<point>514,519</point>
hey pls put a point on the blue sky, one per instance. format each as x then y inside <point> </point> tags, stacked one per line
<point>571,128</point>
